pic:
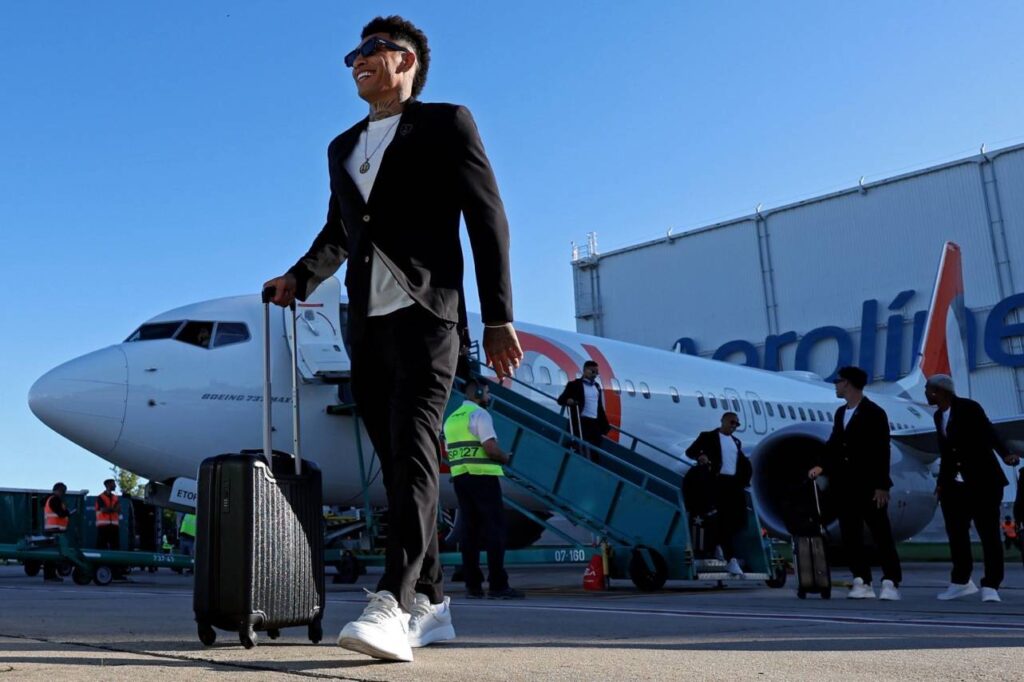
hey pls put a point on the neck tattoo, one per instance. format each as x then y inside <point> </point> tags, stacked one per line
<point>364,167</point>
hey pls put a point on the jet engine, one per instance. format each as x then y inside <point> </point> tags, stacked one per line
<point>782,490</point>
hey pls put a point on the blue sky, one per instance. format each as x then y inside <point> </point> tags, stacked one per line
<point>156,154</point>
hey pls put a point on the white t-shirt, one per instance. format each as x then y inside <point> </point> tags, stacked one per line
<point>729,454</point>
<point>480,423</point>
<point>386,295</point>
<point>945,420</point>
<point>848,415</point>
<point>589,400</point>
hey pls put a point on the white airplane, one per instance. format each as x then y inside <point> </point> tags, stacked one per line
<point>186,385</point>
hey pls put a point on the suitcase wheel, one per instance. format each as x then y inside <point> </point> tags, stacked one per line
<point>247,636</point>
<point>801,594</point>
<point>316,632</point>
<point>207,635</point>
<point>273,633</point>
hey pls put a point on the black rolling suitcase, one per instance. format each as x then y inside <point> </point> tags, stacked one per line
<point>259,533</point>
<point>812,570</point>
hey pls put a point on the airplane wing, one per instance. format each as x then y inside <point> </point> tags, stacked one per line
<point>1010,429</point>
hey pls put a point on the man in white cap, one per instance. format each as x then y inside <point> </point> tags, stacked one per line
<point>970,486</point>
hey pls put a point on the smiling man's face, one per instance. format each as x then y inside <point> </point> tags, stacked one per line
<point>381,75</point>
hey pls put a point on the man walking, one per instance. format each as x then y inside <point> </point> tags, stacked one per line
<point>426,167</point>
<point>856,461</point>
<point>475,459</point>
<point>970,486</point>
<point>582,397</point>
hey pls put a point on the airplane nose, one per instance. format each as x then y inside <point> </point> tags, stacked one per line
<point>84,399</point>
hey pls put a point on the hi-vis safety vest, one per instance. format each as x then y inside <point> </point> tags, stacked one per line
<point>465,453</point>
<point>188,525</point>
<point>51,521</point>
<point>1010,530</point>
<point>106,499</point>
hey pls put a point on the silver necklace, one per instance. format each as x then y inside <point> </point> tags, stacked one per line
<point>364,167</point>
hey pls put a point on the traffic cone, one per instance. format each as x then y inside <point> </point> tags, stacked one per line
<point>594,578</point>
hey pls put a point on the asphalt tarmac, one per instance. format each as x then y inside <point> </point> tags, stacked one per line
<point>144,629</point>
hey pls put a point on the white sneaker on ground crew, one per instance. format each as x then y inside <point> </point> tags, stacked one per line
<point>430,623</point>
<point>954,590</point>
<point>990,594</point>
<point>733,568</point>
<point>889,591</point>
<point>860,590</point>
<point>382,631</point>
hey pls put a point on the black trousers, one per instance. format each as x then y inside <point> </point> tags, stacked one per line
<point>857,509</point>
<point>480,509</point>
<point>960,505</point>
<point>587,428</point>
<point>108,537</point>
<point>403,365</point>
<point>730,516</point>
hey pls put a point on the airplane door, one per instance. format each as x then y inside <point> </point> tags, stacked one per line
<point>734,400</point>
<point>760,419</point>
<point>322,354</point>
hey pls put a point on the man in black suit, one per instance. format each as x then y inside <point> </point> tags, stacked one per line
<point>586,406</point>
<point>856,461</point>
<point>426,167</point>
<point>726,471</point>
<point>970,486</point>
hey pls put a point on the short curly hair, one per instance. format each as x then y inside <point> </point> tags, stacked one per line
<point>402,29</point>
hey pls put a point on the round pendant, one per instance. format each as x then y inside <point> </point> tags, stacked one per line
<point>365,166</point>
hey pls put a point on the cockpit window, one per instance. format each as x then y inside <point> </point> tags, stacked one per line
<point>196,333</point>
<point>154,330</point>
<point>230,332</point>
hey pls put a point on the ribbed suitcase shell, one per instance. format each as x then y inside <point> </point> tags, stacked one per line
<point>812,570</point>
<point>259,544</point>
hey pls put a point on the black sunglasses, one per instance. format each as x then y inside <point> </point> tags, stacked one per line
<point>369,47</point>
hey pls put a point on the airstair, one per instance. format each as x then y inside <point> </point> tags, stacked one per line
<point>632,503</point>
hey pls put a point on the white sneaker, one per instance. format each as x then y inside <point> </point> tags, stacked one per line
<point>430,623</point>
<point>733,568</point>
<point>954,591</point>
<point>990,594</point>
<point>889,591</point>
<point>860,590</point>
<point>381,632</point>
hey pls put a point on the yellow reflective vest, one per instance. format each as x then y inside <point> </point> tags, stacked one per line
<point>465,453</point>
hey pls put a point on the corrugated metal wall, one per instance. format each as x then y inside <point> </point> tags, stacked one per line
<point>814,263</point>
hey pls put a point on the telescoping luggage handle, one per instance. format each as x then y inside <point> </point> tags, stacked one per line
<point>268,296</point>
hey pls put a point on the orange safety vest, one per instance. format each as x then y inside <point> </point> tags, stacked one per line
<point>50,519</point>
<point>106,499</point>
<point>1010,529</point>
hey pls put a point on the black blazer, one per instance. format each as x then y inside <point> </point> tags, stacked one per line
<point>574,390</point>
<point>967,447</point>
<point>434,171</point>
<point>856,457</point>
<point>709,445</point>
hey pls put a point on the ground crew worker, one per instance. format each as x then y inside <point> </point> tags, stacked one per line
<point>1009,533</point>
<point>187,536</point>
<point>475,459</point>
<point>108,521</point>
<point>55,520</point>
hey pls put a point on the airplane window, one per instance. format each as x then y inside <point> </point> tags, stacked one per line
<point>768,406</point>
<point>230,332</point>
<point>196,333</point>
<point>545,375</point>
<point>736,405</point>
<point>829,415</point>
<point>525,373</point>
<point>153,331</point>
<point>645,391</point>
<point>803,415</point>
<point>616,386</point>
<point>792,414</point>
<point>563,378</point>
<point>714,403</point>
<point>724,402</point>
<point>757,407</point>
<point>782,411</point>
<point>821,415</point>
<point>700,399</point>
<point>674,393</point>
<point>891,426</point>
<point>630,388</point>
<point>811,412</point>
